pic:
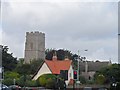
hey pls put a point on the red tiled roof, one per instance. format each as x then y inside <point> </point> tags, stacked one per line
<point>56,65</point>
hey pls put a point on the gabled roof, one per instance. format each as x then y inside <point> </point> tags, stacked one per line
<point>56,65</point>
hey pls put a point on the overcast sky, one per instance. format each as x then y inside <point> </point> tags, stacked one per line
<point>69,25</point>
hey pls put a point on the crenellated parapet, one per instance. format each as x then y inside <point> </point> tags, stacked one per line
<point>35,33</point>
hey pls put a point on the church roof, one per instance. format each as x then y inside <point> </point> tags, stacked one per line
<point>56,65</point>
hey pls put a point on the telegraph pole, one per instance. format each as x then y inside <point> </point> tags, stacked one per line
<point>78,65</point>
<point>80,58</point>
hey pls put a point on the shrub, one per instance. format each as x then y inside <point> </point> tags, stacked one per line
<point>100,79</point>
<point>30,83</point>
<point>62,84</point>
<point>50,83</point>
<point>23,80</point>
<point>42,81</point>
<point>12,75</point>
<point>8,81</point>
<point>118,86</point>
<point>90,82</point>
<point>82,80</point>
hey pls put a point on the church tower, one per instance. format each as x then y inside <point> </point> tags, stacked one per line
<point>34,46</point>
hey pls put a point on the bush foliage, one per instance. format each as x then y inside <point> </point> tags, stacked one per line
<point>45,78</point>
<point>51,81</point>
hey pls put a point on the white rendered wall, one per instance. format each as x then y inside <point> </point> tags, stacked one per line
<point>43,70</point>
<point>70,71</point>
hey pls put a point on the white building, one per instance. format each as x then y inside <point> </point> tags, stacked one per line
<point>55,66</point>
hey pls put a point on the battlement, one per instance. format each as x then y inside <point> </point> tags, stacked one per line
<point>35,33</point>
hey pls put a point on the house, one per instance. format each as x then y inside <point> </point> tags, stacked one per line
<point>55,66</point>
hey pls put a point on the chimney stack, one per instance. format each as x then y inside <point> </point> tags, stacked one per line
<point>54,58</point>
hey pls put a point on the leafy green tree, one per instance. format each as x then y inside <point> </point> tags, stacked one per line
<point>26,80</point>
<point>61,54</point>
<point>8,81</point>
<point>10,76</point>
<point>20,61</point>
<point>111,73</point>
<point>49,54</point>
<point>23,69</point>
<point>8,61</point>
<point>29,68</point>
<point>35,65</point>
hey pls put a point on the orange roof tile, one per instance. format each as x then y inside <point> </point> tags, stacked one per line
<point>56,65</point>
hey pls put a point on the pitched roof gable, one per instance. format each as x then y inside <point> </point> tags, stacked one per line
<point>38,69</point>
<point>56,66</point>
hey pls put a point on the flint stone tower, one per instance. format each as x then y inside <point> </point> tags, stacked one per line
<point>34,46</point>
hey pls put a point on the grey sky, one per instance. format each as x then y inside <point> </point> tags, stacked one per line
<point>69,25</point>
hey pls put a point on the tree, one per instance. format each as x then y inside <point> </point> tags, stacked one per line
<point>25,80</point>
<point>23,69</point>
<point>61,54</point>
<point>20,61</point>
<point>8,61</point>
<point>28,68</point>
<point>35,65</point>
<point>10,76</point>
<point>111,73</point>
